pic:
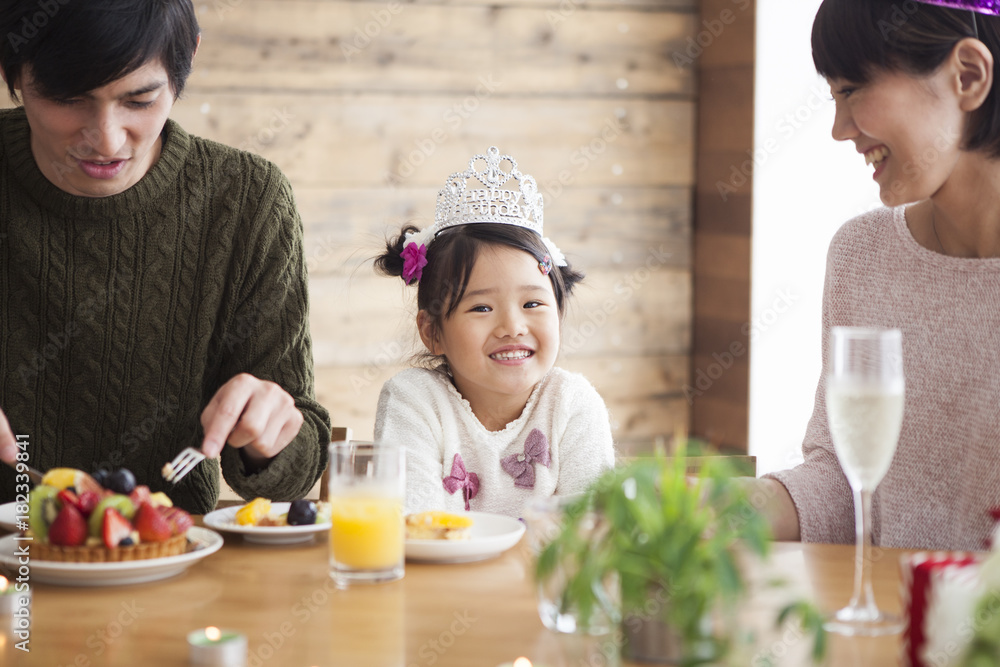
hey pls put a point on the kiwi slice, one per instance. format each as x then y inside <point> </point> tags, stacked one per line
<point>42,508</point>
<point>121,503</point>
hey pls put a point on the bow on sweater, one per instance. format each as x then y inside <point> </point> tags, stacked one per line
<point>521,466</point>
<point>460,479</point>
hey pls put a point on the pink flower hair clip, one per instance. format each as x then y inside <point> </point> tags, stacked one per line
<point>415,254</point>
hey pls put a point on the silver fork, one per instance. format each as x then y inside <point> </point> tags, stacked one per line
<point>182,464</point>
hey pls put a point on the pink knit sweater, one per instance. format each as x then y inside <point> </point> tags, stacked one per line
<point>945,476</point>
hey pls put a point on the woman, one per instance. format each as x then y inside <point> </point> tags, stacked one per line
<point>914,87</point>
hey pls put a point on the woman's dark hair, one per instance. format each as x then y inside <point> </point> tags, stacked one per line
<point>453,254</point>
<point>74,46</point>
<point>855,39</point>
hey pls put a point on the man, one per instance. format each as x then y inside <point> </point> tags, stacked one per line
<point>152,284</point>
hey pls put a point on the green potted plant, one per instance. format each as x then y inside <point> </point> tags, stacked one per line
<point>674,542</point>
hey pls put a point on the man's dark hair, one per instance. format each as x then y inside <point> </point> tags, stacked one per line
<point>74,46</point>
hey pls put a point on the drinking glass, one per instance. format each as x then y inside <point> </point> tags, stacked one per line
<point>366,491</point>
<point>544,518</point>
<point>864,405</point>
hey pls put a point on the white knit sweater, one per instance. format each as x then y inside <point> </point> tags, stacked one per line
<point>945,476</point>
<point>423,410</point>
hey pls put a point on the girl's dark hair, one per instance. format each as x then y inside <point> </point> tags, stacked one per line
<point>855,39</point>
<point>453,254</point>
<point>74,46</point>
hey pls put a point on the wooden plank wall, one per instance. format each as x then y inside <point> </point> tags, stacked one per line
<point>369,106</point>
<point>720,376</point>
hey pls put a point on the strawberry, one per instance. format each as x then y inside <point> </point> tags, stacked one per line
<point>85,502</point>
<point>88,501</point>
<point>68,497</point>
<point>139,495</point>
<point>116,528</point>
<point>178,519</point>
<point>69,529</point>
<point>151,524</point>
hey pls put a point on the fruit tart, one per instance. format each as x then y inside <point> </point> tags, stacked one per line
<point>301,512</point>
<point>75,517</point>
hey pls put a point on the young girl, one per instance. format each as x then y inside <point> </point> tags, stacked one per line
<point>492,423</point>
<point>915,89</point>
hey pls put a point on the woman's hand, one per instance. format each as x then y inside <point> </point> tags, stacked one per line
<point>251,414</point>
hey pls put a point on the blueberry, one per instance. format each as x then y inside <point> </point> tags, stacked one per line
<point>302,513</point>
<point>127,542</point>
<point>121,481</point>
<point>101,476</point>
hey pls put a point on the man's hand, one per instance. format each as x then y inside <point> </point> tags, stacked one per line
<point>249,413</point>
<point>8,445</point>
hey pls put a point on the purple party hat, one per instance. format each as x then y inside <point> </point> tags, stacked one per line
<point>991,7</point>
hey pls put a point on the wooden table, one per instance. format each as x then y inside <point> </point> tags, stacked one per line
<point>468,615</point>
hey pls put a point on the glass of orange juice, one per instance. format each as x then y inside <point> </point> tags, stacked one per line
<point>366,491</point>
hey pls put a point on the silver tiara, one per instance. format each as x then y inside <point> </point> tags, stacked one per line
<point>458,204</point>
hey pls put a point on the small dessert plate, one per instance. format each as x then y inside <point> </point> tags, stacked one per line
<point>206,542</point>
<point>490,536</point>
<point>225,520</point>
<point>8,517</point>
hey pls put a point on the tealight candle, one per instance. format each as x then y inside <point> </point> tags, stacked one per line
<point>12,599</point>
<point>520,662</point>
<point>218,648</point>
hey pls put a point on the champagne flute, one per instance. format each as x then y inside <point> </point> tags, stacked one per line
<point>864,405</point>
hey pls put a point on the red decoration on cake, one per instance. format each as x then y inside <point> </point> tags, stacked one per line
<point>917,570</point>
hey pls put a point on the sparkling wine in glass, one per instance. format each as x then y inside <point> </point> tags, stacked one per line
<point>864,405</point>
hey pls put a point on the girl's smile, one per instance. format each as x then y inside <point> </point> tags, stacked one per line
<point>511,354</point>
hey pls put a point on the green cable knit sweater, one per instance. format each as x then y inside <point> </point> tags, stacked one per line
<point>121,316</point>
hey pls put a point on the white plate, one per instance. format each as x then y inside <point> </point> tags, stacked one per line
<point>225,520</point>
<point>8,518</point>
<point>114,574</point>
<point>490,535</point>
